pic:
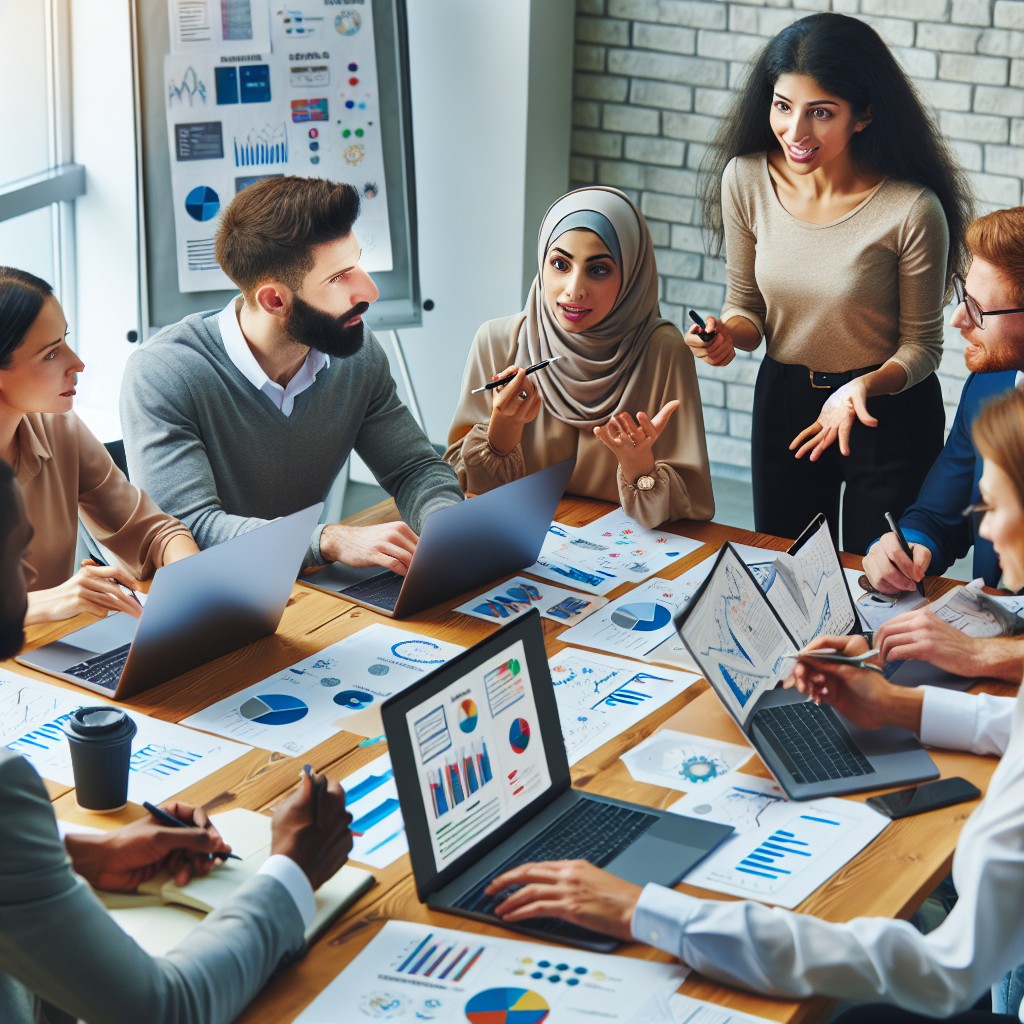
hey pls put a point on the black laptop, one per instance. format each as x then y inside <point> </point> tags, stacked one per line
<point>483,779</point>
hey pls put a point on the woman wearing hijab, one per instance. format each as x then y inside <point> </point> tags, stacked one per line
<point>621,396</point>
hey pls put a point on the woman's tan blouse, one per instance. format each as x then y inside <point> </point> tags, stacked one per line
<point>64,472</point>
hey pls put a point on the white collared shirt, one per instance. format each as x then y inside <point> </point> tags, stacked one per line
<point>780,952</point>
<point>241,355</point>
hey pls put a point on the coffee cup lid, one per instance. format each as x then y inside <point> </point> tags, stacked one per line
<point>97,721</point>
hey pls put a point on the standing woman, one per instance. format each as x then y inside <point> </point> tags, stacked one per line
<point>843,216</point>
<point>64,471</point>
<point>622,397</point>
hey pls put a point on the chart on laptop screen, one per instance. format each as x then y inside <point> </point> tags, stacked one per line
<point>479,752</point>
<point>735,637</point>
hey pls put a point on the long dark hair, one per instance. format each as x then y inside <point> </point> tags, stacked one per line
<point>847,59</point>
<point>21,298</point>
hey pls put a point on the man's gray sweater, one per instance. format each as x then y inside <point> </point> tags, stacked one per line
<point>217,453</point>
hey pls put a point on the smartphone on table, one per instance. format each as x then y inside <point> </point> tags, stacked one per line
<point>928,797</point>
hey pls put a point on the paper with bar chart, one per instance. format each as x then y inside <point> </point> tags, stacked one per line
<point>599,696</point>
<point>518,595</point>
<point>782,850</point>
<point>378,830</point>
<point>412,972</point>
<point>306,703</point>
<point>607,552</point>
<point>166,758</point>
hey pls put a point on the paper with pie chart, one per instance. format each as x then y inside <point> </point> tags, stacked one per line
<point>599,696</point>
<point>413,972</point>
<point>307,703</point>
<point>517,596</point>
<point>677,760</point>
<point>606,553</point>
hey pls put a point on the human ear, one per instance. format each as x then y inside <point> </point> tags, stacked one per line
<point>865,119</point>
<point>272,298</point>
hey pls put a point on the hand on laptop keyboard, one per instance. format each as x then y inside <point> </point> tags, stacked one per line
<point>389,545</point>
<point>571,890</point>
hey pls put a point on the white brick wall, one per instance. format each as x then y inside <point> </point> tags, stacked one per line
<point>652,78</point>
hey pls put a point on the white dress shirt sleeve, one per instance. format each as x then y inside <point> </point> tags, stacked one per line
<point>294,879</point>
<point>979,723</point>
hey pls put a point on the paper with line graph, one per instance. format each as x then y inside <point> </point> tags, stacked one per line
<point>782,850</point>
<point>599,696</point>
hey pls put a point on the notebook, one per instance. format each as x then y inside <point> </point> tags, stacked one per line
<point>744,650</point>
<point>483,779</point>
<point>198,609</point>
<point>161,913</point>
<point>462,547</point>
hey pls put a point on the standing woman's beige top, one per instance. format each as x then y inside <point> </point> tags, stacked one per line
<point>633,361</point>
<point>64,471</point>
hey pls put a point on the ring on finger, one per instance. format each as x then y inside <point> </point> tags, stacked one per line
<point>524,395</point>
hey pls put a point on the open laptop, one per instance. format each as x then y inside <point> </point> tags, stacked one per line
<point>462,546</point>
<point>197,609</point>
<point>744,650</point>
<point>483,779</point>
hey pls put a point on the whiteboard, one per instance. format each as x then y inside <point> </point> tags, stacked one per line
<point>163,302</point>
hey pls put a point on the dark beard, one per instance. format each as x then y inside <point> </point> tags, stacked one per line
<point>310,326</point>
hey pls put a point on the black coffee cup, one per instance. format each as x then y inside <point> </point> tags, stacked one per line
<point>100,739</point>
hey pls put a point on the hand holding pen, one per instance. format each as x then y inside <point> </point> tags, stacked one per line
<point>904,546</point>
<point>710,340</point>
<point>168,819</point>
<point>507,376</point>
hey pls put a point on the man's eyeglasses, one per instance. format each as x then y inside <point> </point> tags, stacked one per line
<point>977,511</point>
<point>974,312</point>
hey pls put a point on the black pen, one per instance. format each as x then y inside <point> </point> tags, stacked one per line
<point>703,333</point>
<point>124,586</point>
<point>315,779</point>
<point>895,527</point>
<point>491,385</point>
<point>168,819</point>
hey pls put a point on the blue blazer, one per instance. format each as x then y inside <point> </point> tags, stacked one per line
<point>935,519</point>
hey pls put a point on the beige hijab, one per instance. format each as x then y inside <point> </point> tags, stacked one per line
<point>592,379</point>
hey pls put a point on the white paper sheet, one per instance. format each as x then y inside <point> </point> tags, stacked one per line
<point>166,758</point>
<point>411,972</point>
<point>518,595</point>
<point>681,761</point>
<point>607,552</point>
<point>378,830</point>
<point>599,697</point>
<point>308,702</point>
<point>782,849</point>
<point>687,1010</point>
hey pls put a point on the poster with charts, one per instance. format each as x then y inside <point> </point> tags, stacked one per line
<point>677,760</point>
<point>306,703</point>
<point>412,972</point>
<point>378,830</point>
<point>256,91</point>
<point>782,849</point>
<point>599,696</point>
<point>610,551</point>
<point>518,595</point>
<point>166,758</point>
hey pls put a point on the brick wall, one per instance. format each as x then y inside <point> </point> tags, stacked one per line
<point>653,76</point>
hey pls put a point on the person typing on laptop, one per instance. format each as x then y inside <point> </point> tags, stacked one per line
<point>65,472</point>
<point>240,415</point>
<point>783,953</point>
<point>60,948</point>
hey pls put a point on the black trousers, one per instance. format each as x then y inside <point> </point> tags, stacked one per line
<point>884,1013</point>
<point>882,473</point>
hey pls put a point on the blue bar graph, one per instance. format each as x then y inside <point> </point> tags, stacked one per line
<point>368,785</point>
<point>782,853</point>
<point>366,821</point>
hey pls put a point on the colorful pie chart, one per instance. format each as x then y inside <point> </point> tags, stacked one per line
<point>354,700</point>
<point>507,1006</point>
<point>202,203</point>
<point>642,618</point>
<point>467,715</point>
<point>273,709</point>
<point>519,735</point>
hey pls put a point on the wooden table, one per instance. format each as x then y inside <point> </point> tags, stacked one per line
<point>890,878</point>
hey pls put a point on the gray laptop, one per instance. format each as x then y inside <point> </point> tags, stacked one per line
<point>462,547</point>
<point>197,609</point>
<point>744,649</point>
<point>483,780</point>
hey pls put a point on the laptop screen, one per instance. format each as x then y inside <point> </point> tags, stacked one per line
<point>479,751</point>
<point>735,636</point>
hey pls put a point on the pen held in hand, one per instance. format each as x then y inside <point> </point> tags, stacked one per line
<point>318,784</point>
<point>703,333</point>
<point>492,384</point>
<point>905,547</point>
<point>168,819</point>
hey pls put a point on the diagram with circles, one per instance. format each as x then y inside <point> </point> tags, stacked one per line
<point>307,702</point>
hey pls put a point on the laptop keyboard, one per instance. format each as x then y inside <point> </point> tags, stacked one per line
<point>104,669</point>
<point>812,742</point>
<point>589,830</point>
<point>381,590</point>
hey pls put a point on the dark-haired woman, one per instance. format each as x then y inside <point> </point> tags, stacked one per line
<point>65,472</point>
<point>843,217</point>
